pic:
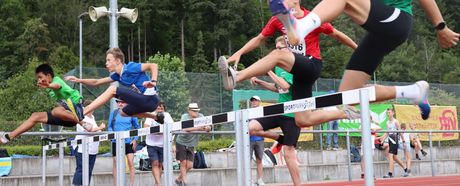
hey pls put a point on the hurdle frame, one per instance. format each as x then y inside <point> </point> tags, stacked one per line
<point>241,118</point>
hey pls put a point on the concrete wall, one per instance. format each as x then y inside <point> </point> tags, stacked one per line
<point>316,166</point>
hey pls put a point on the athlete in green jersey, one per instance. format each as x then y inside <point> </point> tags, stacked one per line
<point>68,111</point>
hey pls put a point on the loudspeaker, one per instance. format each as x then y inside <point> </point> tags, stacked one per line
<point>131,14</point>
<point>97,12</point>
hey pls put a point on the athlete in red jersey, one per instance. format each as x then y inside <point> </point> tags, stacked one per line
<point>303,61</point>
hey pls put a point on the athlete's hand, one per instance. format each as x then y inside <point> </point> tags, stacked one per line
<point>149,84</point>
<point>102,126</point>
<point>43,84</point>
<point>72,79</point>
<point>255,81</point>
<point>447,38</point>
<point>235,59</point>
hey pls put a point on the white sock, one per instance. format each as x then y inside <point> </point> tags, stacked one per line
<point>307,24</point>
<point>411,92</point>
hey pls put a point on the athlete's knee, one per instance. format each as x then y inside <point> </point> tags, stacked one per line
<point>112,89</point>
<point>156,163</point>
<point>254,127</point>
<point>279,54</point>
<point>289,152</point>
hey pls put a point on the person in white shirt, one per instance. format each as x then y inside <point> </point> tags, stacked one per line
<point>155,143</point>
<point>406,139</point>
<point>93,148</point>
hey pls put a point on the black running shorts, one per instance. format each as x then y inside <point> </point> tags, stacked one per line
<point>387,28</point>
<point>287,124</point>
<point>137,103</point>
<point>306,71</point>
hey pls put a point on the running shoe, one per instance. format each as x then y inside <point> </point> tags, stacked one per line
<point>3,139</point>
<point>280,9</point>
<point>260,182</point>
<point>227,73</point>
<point>423,152</point>
<point>388,176</point>
<point>417,157</point>
<point>422,101</point>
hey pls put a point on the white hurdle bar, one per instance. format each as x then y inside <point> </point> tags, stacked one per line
<point>241,118</point>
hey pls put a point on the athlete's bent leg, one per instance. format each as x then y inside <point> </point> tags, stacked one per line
<point>281,58</point>
<point>256,129</point>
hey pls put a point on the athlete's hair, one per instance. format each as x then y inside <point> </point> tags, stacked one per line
<point>117,54</point>
<point>45,69</point>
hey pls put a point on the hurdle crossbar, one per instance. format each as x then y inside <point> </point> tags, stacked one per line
<point>240,117</point>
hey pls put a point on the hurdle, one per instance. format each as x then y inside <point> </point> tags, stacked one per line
<point>240,119</point>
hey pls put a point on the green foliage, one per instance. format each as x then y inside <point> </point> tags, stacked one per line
<point>63,58</point>
<point>21,96</point>
<point>35,38</point>
<point>36,150</point>
<point>172,76</point>
<point>213,145</point>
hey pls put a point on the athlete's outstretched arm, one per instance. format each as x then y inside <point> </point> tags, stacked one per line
<point>248,47</point>
<point>90,82</point>
<point>446,37</point>
<point>342,38</point>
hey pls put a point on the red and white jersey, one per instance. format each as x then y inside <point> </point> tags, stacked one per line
<point>309,45</point>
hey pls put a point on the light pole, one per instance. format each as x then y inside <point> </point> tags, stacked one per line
<point>113,13</point>
<point>81,48</point>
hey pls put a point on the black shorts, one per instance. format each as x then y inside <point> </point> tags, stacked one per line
<point>393,147</point>
<point>57,121</point>
<point>128,148</point>
<point>184,153</point>
<point>287,124</point>
<point>137,103</point>
<point>305,72</point>
<point>381,38</point>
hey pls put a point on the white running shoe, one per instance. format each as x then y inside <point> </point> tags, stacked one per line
<point>3,139</point>
<point>227,73</point>
<point>260,182</point>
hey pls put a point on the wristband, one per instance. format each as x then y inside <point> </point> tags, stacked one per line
<point>153,80</point>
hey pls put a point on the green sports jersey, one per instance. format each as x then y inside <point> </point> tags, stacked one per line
<point>63,93</point>
<point>404,5</point>
<point>285,95</point>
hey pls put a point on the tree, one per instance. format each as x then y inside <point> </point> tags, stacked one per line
<point>21,96</point>
<point>35,38</point>
<point>63,58</point>
<point>172,83</point>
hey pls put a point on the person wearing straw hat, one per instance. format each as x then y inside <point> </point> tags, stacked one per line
<point>186,143</point>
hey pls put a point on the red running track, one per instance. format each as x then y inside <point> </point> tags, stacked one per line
<point>413,181</point>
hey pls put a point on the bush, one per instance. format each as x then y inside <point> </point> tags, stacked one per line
<point>213,145</point>
<point>36,150</point>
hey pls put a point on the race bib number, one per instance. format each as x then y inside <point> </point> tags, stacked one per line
<point>298,49</point>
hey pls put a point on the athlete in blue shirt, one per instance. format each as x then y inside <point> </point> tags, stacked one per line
<point>138,90</point>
